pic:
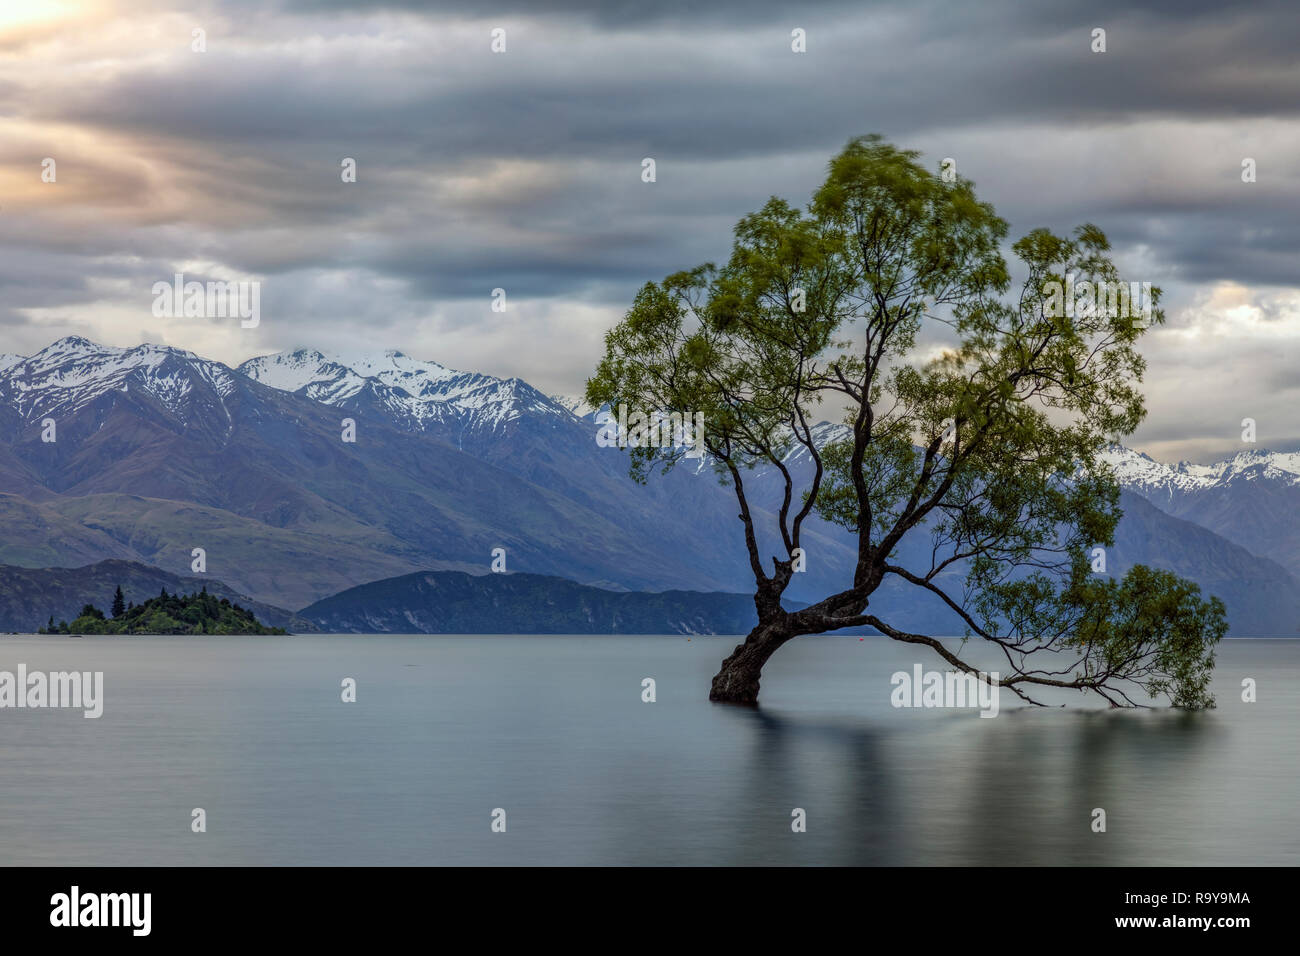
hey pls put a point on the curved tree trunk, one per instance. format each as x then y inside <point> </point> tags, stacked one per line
<point>737,681</point>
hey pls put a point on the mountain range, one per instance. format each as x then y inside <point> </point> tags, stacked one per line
<point>452,602</point>
<point>158,451</point>
<point>1251,499</point>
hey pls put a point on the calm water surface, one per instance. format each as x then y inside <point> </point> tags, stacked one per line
<point>553,730</point>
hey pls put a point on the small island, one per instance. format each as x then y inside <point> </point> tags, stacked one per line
<point>199,613</point>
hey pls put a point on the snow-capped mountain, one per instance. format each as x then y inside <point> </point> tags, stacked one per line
<point>160,451</point>
<point>1157,481</point>
<point>419,395</point>
<point>574,403</point>
<point>68,375</point>
<point>1252,498</point>
<point>823,434</point>
<point>1145,475</point>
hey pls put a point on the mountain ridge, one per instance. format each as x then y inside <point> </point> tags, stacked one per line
<point>160,450</point>
<point>1251,499</point>
<point>453,602</point>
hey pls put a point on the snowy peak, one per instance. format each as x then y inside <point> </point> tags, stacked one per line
<point>574,403</point>
<point>1140,473</point>
<point>68,374</point>
<point>416,394</point>
<point>1249,466</point>
<point>306,369</point>
<point>823,434</point>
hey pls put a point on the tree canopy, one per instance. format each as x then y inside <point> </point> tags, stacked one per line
<point>200,613</point>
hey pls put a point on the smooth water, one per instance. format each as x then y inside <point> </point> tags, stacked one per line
<point>554,731</point>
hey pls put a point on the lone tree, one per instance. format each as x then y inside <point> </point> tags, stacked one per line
<point>119,603</point>
<point>974,420</point>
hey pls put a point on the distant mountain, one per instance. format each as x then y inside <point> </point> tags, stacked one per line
<point>1157,480</point>
<point>160,451</point>
<point>451,602</point>
<point>683,523</point>
<point>1262,597</point>
<point>418,395</point>
<point>574,403</point>
<point>1252,499</point>
<point>29,597</point>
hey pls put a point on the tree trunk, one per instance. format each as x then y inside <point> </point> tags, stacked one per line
<point>737,681</point>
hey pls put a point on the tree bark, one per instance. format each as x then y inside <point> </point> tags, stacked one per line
<point>737,681</point>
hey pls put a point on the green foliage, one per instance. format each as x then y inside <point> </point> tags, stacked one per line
<point>167,614</point>
<point>975,416</point>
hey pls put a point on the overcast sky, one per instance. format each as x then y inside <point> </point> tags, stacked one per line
<point>522,170</point>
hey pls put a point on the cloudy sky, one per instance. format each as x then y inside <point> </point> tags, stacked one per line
<point>522,170</point>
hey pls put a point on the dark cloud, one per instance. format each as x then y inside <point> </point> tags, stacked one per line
<point>522,170</point>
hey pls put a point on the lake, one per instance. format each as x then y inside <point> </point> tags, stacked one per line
<point>553,730</point>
